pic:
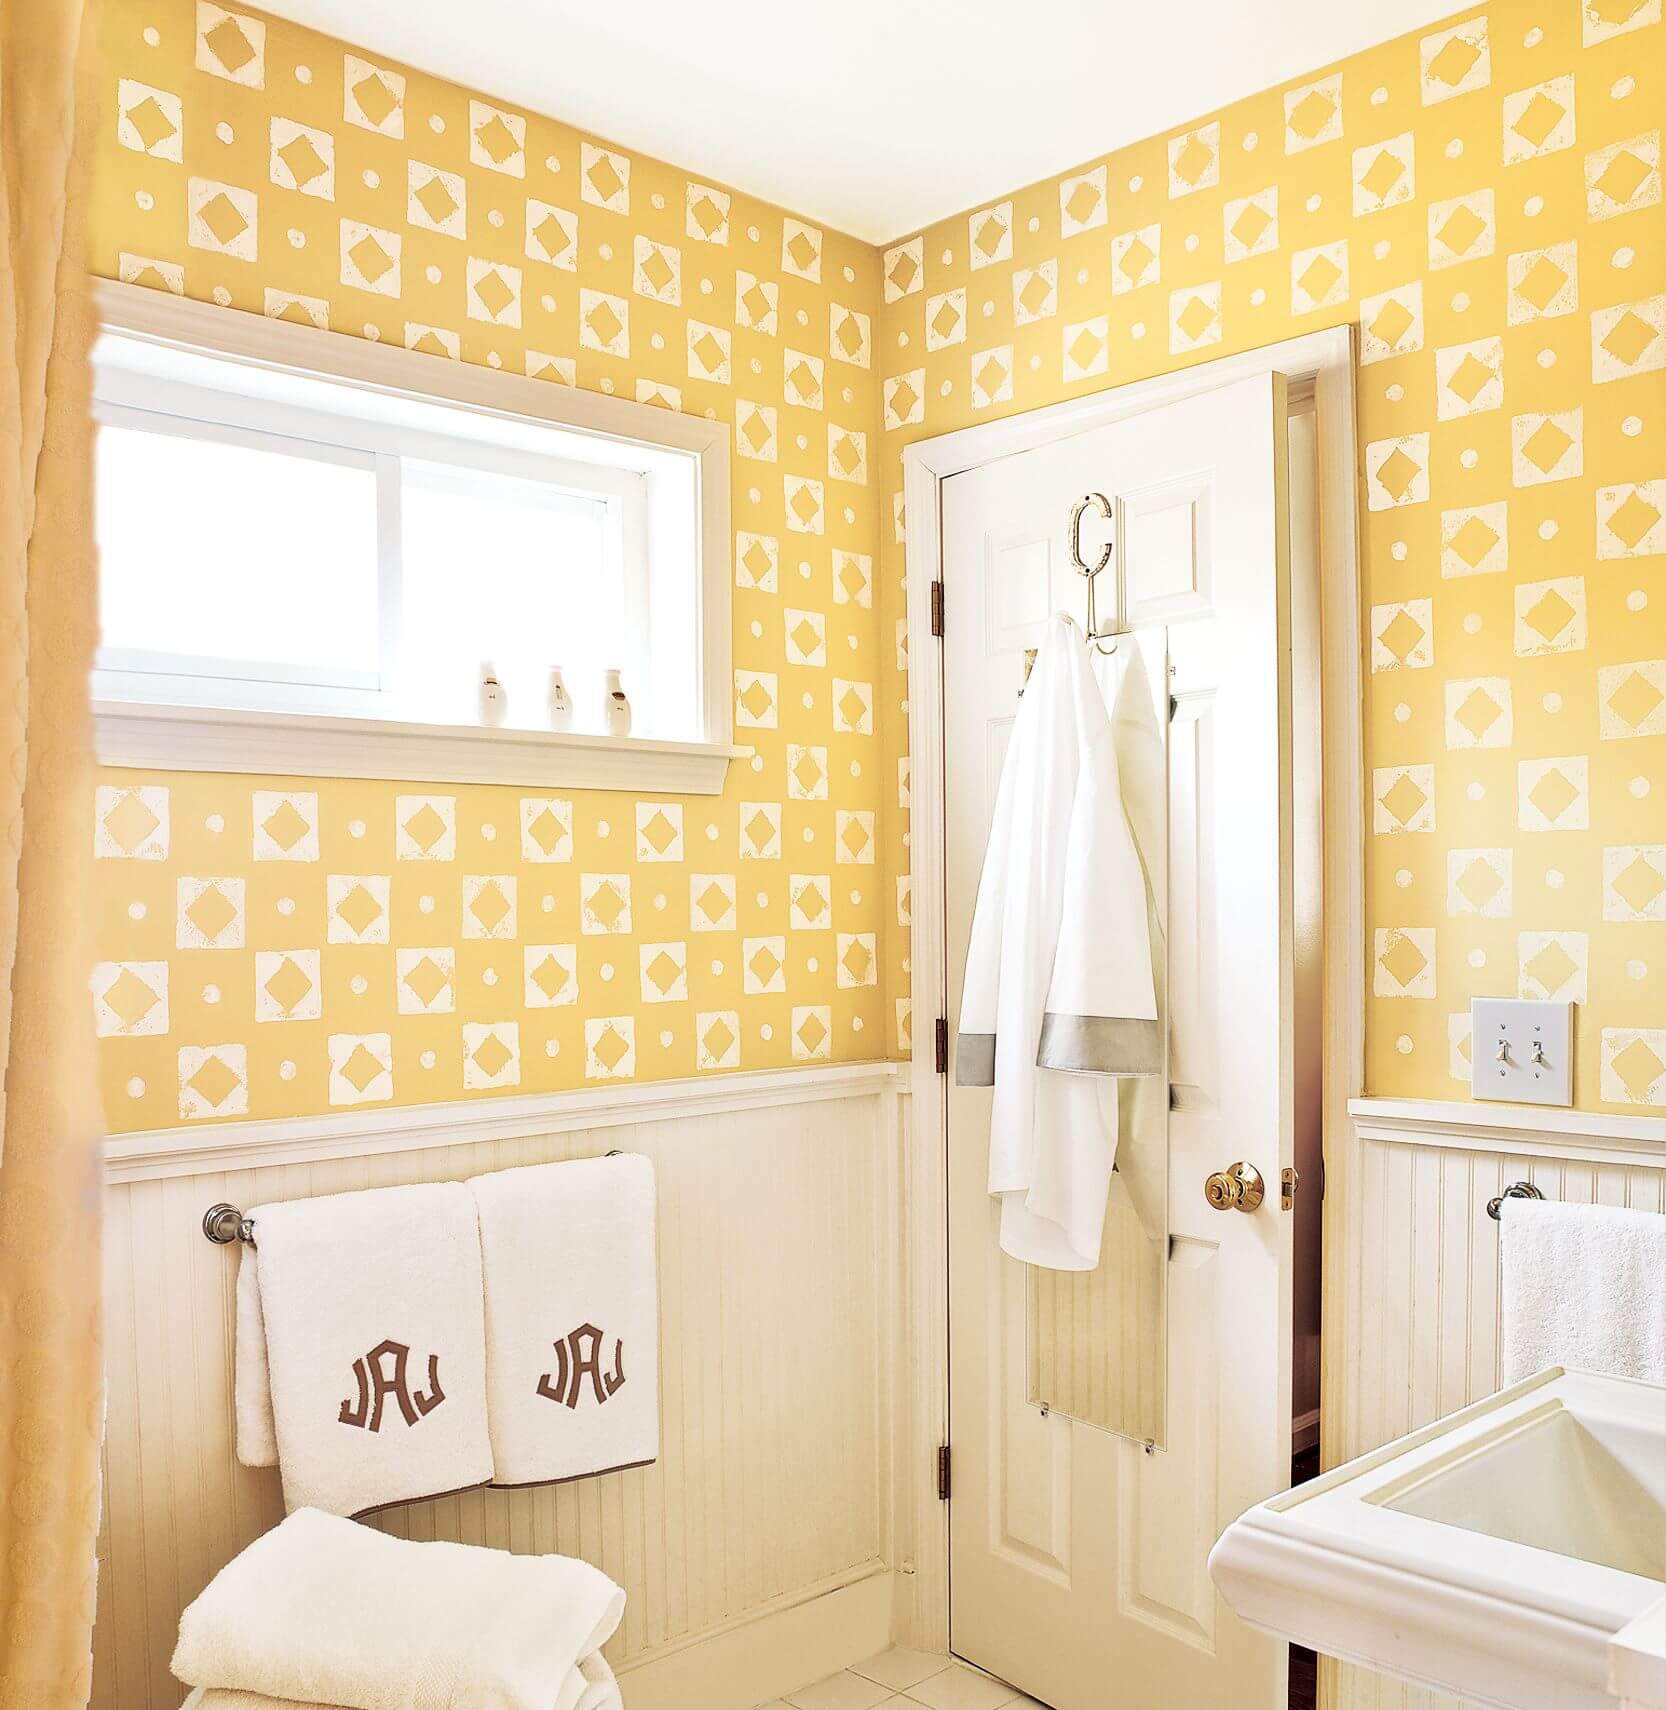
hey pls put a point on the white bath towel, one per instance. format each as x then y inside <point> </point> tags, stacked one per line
<point>595,1684</point>
<point>373,1357</point>
<point>1059,995</point>
<point>257,1432</point>
<point>1583,1286</point>
<point>572,1317</point>
<point>324,1611</point>
<point>1138,724</point>
<point>601,1688</point>
<point>594,1681</point>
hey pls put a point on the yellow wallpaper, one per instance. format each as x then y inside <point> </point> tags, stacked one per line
<point>285,946</point>
<point>1485,199</point>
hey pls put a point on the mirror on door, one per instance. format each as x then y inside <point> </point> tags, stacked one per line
<point>1097,1341</point>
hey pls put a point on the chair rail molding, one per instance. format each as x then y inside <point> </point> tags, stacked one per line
<point>1522,1130</point>
<point>204,1148</point>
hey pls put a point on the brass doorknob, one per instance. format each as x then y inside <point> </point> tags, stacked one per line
<point>1238,1187</point>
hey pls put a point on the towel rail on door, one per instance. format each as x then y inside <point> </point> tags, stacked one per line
<point>224,1223</point>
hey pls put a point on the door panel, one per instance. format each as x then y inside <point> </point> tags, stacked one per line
<point>1164,532</point>
<point>1077,1557</point>
<point>1170,1498</point>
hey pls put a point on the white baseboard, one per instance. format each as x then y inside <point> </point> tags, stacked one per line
<point>774,1650</point>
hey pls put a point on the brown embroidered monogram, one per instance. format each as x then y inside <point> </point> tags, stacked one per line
<point>376,1383</point>
<point>577,1357</point>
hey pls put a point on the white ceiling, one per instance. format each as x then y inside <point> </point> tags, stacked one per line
<point>875,117</point>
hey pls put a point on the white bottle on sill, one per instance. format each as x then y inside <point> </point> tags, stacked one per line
<point>494,701</point>
<point>616,708</point>
<point>561,703</point>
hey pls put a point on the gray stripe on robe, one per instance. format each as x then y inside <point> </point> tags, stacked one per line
<point>974,1060</point>
<point>1100,1045</point>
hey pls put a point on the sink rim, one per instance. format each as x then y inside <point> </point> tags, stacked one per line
<point>1491,1620</point>
<point>1346,1510</point>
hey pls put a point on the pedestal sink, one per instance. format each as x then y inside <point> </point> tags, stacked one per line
<point>1513,1553</point>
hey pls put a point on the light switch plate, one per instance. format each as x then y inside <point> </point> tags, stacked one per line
<point>1521,1051</point>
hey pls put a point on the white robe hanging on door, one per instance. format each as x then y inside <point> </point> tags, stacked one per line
<point>1059,996</point>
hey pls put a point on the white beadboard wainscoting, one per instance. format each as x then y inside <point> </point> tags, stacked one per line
<point>756,1553</point>
<point>1422,1337</point>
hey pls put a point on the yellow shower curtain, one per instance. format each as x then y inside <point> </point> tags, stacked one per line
<point>51,1386</point>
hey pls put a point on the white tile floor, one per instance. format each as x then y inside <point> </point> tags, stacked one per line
<point>906,1680</point>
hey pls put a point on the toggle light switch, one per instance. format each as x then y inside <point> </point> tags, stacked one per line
<point>1521,1051</point>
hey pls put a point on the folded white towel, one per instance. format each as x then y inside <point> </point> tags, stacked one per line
<point>593,1680</point>
<point>372,1364</point>
<point>218,1698</point>
<point>601,1689</point>
<point>1583,1286</point>
<point>323,1611</point>
<point>572,1317</point>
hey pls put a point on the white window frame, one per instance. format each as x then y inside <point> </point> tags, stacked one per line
<point>667,475</point>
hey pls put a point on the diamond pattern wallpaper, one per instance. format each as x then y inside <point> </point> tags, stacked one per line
<point>282,947</point>
<point>1483,200</point>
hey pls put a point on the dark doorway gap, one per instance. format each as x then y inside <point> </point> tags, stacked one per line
<point>1304,1665</point>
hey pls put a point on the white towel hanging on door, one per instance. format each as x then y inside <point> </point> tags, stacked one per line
<point>1059,995</point>
<point>1142,1106</point>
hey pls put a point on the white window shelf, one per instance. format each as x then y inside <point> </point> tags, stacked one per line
<point>218,739</point>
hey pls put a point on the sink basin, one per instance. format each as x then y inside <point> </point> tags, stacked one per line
<point>1595,1496</point>
<point>1498,1554</point>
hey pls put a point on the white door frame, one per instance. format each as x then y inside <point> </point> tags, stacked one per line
<point>1319,362</point>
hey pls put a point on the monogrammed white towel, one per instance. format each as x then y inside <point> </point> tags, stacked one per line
<point>367,1352</point>
<point>572,1317</point>
<point>323,1611</point>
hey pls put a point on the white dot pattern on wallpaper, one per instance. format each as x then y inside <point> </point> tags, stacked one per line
<point>430,945</point>
<point>1484,200</point>
<point>277,947</point>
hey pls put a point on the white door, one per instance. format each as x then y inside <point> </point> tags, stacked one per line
<point>1077,1558</point>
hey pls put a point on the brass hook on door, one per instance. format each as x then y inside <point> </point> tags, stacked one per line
<point>1097,502</point>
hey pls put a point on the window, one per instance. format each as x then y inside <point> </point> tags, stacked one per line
<point>311,545</point>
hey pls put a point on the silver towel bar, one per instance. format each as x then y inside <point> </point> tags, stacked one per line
<point>224,1223</point>
<point>1516,1190</point>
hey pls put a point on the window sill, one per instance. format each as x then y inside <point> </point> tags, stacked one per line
<point>214,739</point>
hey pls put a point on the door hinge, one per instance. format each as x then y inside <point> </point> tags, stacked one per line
<point>940,1035</point>
<point>943,1472</point>
<point>937,608</point>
